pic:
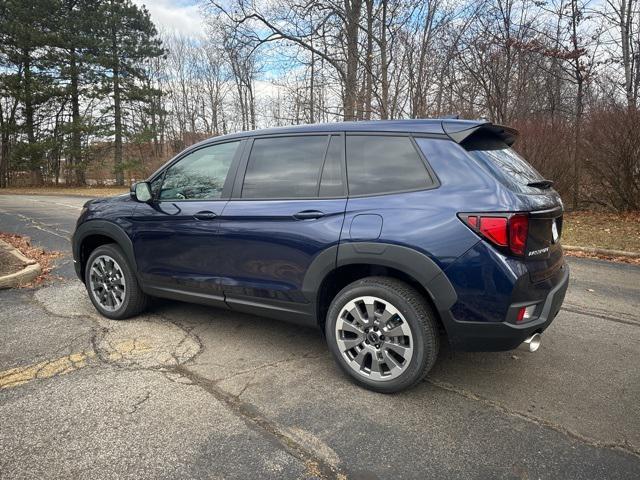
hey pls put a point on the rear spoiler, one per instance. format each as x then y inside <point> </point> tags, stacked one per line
<point>460,132</point>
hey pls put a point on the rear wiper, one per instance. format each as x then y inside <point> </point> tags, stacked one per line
<point>543,184</point>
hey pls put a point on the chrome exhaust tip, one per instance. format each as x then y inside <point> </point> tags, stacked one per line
<point>532,343</point>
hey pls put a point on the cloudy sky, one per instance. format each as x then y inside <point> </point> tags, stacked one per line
<point>182,16</point>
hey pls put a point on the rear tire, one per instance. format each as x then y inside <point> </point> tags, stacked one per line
<point>382,333</point>
<point>112,285</point>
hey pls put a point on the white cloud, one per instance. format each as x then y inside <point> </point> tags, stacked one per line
<point>181,16</point>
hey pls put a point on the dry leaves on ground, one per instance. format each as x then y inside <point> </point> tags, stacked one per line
<point>611,258</point>
<point>44,258</point>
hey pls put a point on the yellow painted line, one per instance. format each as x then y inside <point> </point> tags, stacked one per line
<point>47,369</point>
<point>127,348</point>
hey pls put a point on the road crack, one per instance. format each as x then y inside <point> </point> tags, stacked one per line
<point>591,313</point>
<point>320,467</point>
<point>625,446</point>
<point>136,406</point>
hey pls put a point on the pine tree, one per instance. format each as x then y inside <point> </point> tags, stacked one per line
<point>128,39</point>
<point>25,33</point>
<point>76,44</point>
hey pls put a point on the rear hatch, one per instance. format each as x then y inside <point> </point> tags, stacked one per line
<point>536,196</point>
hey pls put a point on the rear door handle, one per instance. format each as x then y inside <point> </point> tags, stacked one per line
<point>205,215</point>
<point>308,214</point>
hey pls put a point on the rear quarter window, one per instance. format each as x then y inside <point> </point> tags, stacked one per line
<point>384,164</point>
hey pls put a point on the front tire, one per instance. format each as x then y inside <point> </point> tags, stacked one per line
<point>382,333</point>
<point>112,284</point>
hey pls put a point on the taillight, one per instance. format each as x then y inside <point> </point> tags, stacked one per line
<point>518,231</point>
<point>506,230</point>
<point>495,229</point>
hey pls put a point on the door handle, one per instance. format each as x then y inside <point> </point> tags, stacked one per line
<point>205,215</point>
<point>308,214</point>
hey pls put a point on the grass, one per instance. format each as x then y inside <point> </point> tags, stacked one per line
<point>81,191</point>
<point>612,231</point>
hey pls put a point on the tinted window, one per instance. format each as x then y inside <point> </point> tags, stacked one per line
<point>505,163</point>
<point>284,167</point>
<point>200,175</point>
<point>331,184</point>
<point>384,164</point>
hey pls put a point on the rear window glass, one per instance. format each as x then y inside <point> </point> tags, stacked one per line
<point>505,164</point>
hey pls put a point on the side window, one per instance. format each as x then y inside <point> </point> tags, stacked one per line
<point>200,175</point>
<point>384,164</point>
<point>331,184</point>
<point>156,185</point>
<point>284,167</point>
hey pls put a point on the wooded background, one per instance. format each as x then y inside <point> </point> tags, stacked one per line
<point>91,92</point>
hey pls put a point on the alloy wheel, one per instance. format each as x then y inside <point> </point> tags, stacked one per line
<point>374,338</point>
<point>107,283</point>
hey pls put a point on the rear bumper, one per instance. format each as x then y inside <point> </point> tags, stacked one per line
<point>500,336</point>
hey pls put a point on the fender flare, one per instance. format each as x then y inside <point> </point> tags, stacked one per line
<point>108,229</point>
<point>407,260</point>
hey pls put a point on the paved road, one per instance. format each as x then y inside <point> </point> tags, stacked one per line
<point>189,391</point>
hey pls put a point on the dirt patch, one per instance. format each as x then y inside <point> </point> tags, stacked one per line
<point>611,231</point>
<point>81,191</point>
<point>9,263</point>
<point>45,259</point>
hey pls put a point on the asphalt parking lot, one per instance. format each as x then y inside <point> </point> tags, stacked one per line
<point>193,392</point>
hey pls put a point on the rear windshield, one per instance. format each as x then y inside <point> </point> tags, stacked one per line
<point>505,164</point>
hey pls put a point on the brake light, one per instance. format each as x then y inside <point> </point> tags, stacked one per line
<point>518,231</point>
<point>502,230</point>
<point>495,229</point>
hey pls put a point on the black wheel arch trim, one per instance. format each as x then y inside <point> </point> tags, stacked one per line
<point>413,263</point>
<point>107,229</point>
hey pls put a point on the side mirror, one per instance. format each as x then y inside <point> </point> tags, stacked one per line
<point>141,192</point>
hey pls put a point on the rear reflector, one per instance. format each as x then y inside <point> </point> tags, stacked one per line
<point>508,230</point>
<point>525,313</point>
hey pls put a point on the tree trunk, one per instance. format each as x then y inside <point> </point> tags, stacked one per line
<point>311,86</point>
<point>353,9</point>
<point>34,162</point>
<point>368,87</point>
<point>577,158</point>
<point>4,160</point>
<point>579,76</point>
<point>384,64</point>
<point>117,113</point>
<point>75,156</point>
<point>4,149</point>
<point>626,14</point>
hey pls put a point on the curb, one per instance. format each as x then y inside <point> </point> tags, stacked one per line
<point>24,276</point>
<point>601,251</point>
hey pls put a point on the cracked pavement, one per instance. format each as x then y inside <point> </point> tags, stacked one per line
<point>196,392</point>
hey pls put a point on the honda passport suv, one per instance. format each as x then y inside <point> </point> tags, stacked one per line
<point>387,235</point>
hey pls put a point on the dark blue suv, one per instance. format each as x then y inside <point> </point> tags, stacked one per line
<point>387,235</point>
